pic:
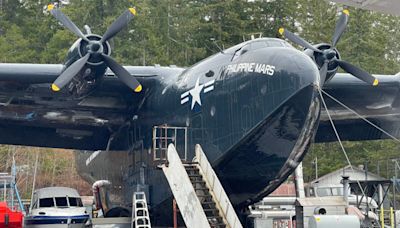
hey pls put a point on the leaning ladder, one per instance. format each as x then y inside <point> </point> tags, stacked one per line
<point>200,196</point>
<point>140,212</point>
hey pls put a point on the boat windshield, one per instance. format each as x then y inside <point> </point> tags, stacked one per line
<point>75,202</point>
<point>61,202</point>
<point>46,202</point>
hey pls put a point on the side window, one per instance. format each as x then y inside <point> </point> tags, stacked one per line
<point>245,49</point>
<point>46,202</point>
<point>75,202</point>
<point>240,51</point>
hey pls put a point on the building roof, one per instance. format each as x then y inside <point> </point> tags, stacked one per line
<point>284,190</point>
<point>346,171</point>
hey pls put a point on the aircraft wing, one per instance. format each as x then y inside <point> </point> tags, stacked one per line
<point>32,114</point>
<point>380,105</point>
<point>383,6</point>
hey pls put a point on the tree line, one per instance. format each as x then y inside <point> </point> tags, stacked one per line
<point>182,32</point>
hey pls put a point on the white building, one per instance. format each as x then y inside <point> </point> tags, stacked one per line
<point>334,178</point>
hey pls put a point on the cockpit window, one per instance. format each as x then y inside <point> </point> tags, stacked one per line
<point>258,45</point>
<point>275,43</point>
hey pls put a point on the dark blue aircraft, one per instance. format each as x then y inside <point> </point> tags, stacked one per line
<point>255,108</point>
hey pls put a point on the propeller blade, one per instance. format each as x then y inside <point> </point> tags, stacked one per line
<point>358,73</point>
<point>296,39</point>
<point>66,21</point>
<point>322,73</point>
<point>340,27</point>
<point>69,73</point>
<point>119,24</point>
<point>122,74</point>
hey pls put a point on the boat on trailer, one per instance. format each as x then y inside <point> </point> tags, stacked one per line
<point>56,207</point>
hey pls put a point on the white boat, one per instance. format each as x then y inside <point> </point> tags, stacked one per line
<point>56,207</point>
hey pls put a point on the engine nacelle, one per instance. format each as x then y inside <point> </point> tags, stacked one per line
<point>87,80</point>
<point>319,59</point>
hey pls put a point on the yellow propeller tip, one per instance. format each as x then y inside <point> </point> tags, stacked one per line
<point>346,11</point>
<point>50,7</point>
<point>55,88</point>
<point>281,31</point>
<point>133,11</point>
<point>138,89</point>
<point>376,82</point>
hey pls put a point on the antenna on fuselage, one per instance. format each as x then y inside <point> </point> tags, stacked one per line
<point>252,36</point>
<point>87,29</point>
<point>216,44</point>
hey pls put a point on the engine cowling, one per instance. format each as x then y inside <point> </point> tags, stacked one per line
<point>327,57</point>
<point>319,58</point>
<point>89,57</point>
<point>91,75</point>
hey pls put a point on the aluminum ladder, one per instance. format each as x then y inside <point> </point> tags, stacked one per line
<point>199,194</point>
<point>140,212</point>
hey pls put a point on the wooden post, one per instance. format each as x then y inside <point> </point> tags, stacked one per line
<point>391,217</point>
<point>175,214</point>
<point>382,217</point>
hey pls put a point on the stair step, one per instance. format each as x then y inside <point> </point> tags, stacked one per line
<point>190,163</point>
<point>197,180</point>
<point>199,186</point>
<point>208,203</point>
<point>193,171</point>
<point>202,188</point>
<point>218,225</point>
<point>214,219</point>
<point>211,209</point>
<point>204,196</point>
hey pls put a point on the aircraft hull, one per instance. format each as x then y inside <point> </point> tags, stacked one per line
<point>249,170</point>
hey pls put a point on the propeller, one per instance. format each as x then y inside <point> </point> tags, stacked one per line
<point>329,55</point>
<point>95,49</point>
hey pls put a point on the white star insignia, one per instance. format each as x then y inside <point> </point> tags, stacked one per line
<point>195,92</point>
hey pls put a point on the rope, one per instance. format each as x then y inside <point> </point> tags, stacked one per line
<point>340,141</point>
<point>363,118</point>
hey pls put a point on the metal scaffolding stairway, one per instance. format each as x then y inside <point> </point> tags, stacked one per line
<point>200,196</point>
<point>203,193</point>
<point>140,212</point>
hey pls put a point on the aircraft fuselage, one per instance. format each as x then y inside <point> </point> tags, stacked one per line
<point>253,110</point>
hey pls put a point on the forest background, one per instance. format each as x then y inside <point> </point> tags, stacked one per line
<point>182,32</point>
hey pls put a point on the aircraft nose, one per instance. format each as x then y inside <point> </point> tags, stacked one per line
<point>283,67</point>
<point>303,67</point>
